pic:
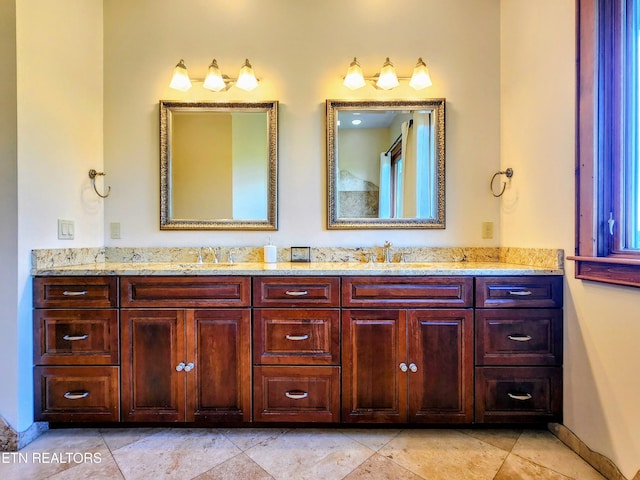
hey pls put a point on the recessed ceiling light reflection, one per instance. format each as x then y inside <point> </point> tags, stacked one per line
<point>356,122</point>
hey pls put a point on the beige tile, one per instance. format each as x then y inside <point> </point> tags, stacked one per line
<point>53,452</point>
<point>174,453</point>
<point>503,439</point>
<point>542,448</point>
<point>245,438</point>
<point>310,454</point>
<point>444,455</point>
<point>116,438</point>
<point>375,439</point>
<point>516,468</point>
<point>381,468</point>
<point>105,469</point>
<point>239,467</point>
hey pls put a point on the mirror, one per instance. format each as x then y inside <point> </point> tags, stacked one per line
<point>218,165</point>
<point>385,164</point>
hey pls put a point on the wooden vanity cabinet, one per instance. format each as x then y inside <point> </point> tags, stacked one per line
<point>76,349</point>
<point>407,364</point>
<point>296,349</point>
<point>518,349</point>
<point>190,362</point>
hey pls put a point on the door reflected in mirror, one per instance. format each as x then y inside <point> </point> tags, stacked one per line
<point>385,164</point>
<point>218,165</point>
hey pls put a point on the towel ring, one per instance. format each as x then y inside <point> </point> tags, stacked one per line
<point>92,175</point>
<point>509,173</point>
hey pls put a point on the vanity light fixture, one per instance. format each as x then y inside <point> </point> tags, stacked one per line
<point>180,80</point>
<point>215,80</point>
<point>246,78</point>
<point>387,79</point>
<point>354,78</point>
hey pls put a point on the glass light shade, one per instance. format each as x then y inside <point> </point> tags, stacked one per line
<point>180,80</point>
<point>420,78</point>
<point>354,78</point>
<point>214,81</point>
<point>246,78</point>
<point>388,78</point>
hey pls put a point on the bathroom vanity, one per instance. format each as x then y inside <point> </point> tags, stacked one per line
<point>329,342</point>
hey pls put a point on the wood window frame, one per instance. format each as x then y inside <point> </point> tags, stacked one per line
<point>597,257</point>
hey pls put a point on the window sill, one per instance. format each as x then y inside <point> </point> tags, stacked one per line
<point>618,271</point>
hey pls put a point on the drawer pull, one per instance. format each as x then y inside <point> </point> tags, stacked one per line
<point>520,293</point>
<point>76,395</point>
<point>67,293</point>
<point>519,338</point>
<point>296,337</point>
<point>75,338</point>
<point>514,396</point>
<point>296,395</point>
<point>296,293</point>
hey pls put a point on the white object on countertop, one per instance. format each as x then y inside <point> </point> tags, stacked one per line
<point>270,253</point>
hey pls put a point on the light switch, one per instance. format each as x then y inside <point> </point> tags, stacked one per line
<point>487,230</point>
<point>65,229</point>
<point>115,229</point>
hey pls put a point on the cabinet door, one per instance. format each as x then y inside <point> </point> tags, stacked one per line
<point>374,346</point>
<point>440,360</point>
<point>152,347</point>
<point>219,383</point>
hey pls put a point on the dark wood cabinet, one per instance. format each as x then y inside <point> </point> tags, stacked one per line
<point>186,364</point>
<point>407,366</point>
<point>518,349</point>
<point>76,352</point>
<point>296,341</point>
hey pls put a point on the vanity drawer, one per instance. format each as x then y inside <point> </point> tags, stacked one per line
<point>177,291</point>
<point>75,292</point>
<point>77,394</point>
<point>407,292</point>
<point>78,337</point>
<point>296,291</point>
<point>519,336</point>
<point>518,394</point>
<point>296,394</point>
<point>296,337</point>
<point>525,292</point>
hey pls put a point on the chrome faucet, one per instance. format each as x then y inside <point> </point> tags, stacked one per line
<point>386,251</point>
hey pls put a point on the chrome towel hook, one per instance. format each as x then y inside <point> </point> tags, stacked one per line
<point>92,175</point>
<point>509,173</point>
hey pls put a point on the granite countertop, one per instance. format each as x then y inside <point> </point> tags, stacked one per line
<point>297,269</point>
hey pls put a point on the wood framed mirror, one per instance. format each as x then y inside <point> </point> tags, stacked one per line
<point>385,164</point>
<point>218,165</point>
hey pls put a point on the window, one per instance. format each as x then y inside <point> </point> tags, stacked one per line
<point>608,165</point>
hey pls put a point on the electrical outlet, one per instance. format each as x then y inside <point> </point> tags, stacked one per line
<point>115,229</point>
<point>65,229</point>
<point>487,230</point>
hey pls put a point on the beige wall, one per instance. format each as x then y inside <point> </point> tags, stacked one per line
<point>300,50</point>
<point>602,322</point>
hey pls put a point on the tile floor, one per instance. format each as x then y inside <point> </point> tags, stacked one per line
<point>239,454</point>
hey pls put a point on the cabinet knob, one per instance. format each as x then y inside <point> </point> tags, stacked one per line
<point>413,367</point>
<point>180,367</point>
<point>189,367</point>
<point>403,367</point>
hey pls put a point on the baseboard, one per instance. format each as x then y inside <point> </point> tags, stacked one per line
<point>12,441</point>
<point>602,464</point>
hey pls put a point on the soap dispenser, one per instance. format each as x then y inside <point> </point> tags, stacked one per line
<point>270,253</point>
